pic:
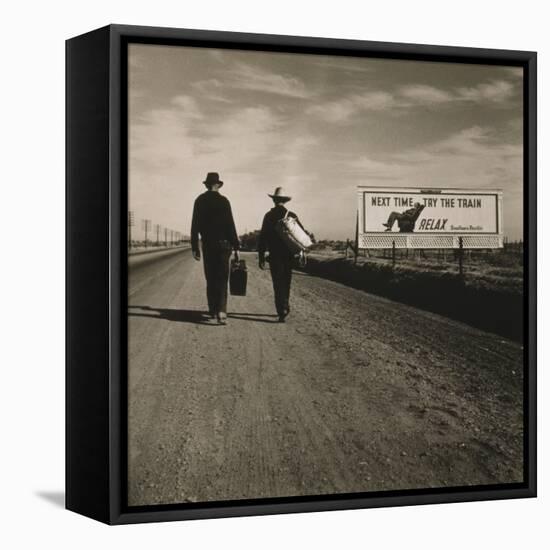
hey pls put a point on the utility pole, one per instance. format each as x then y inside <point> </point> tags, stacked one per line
<point>146,228</point>
<point>165,236</point>
<point>130,225</point>
<point>157,227</point>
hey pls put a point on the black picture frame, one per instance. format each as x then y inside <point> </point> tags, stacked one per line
<point>96,272</point>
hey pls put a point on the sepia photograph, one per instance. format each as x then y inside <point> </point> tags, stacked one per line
<point>325,275</point>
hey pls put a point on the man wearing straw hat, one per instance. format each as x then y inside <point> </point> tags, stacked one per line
<point>213,221</point>
<point>280,256</point>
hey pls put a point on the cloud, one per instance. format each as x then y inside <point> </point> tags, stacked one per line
<point>248,77</point>
<point>211,89</point>
<point>495,92</point>
<point>469,157</point>
<point>343,109</point>
<point>340,64</point>
<point>419,94</point>
<point>334,111</point>
<point>247,133</point>
<point>374,101</point>
<point>516,72</point>
<point>180,133</point>
<point>188,107</point>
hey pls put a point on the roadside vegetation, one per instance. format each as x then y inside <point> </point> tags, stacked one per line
<point>488,295</point>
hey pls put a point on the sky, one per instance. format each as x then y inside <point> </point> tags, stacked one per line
<point>318,126</point>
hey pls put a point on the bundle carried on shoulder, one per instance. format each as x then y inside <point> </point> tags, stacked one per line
<point>292,234</point>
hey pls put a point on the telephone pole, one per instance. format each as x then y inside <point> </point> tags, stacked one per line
<point>146,228</point>
<point>130,225</point>
<point>157,227</point>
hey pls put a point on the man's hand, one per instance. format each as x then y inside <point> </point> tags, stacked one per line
<point>197,255</point>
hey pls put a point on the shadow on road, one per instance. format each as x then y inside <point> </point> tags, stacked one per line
<point>258,317</point>
<point>176,315</point>
<point>193,315</point>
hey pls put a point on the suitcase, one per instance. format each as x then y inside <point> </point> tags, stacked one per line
<point>295,238</point>
<point>238,277</point>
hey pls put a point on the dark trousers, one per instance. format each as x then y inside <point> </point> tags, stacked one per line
<point>216,270</point>
<point>281,275</point>
<point>394,216</point>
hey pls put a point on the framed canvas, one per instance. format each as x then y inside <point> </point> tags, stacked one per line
<point>301,274</point>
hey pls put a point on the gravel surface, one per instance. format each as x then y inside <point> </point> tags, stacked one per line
<point>355,393</point>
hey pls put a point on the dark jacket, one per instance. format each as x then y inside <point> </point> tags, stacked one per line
<point>213,221</point>
<point>269,239</point>
<point>414,212</point>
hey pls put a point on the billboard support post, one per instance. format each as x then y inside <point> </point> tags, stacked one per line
<point>460,256</point>
<point>393,254</point>
<point>356,247</point>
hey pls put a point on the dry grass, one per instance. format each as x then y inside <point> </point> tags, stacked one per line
<point>498,269</point>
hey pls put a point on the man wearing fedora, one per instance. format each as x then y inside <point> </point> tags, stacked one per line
<point>213,221</point>
<point>280,257</point>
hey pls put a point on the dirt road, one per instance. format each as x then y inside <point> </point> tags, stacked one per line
<point>353,393</point>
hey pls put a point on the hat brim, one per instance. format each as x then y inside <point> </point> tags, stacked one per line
<point>219,182</point>
<point>280,197</point>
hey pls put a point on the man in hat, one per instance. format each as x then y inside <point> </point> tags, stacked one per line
<point>213,221</point>
<point>280,257</point>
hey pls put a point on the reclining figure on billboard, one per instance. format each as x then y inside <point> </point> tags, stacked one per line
<point>405,220</point>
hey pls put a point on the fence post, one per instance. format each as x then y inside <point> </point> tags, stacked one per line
<point>393,254</point>
<point>356,247</point>
<point>460,256</point>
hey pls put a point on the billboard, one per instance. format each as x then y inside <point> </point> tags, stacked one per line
<point>429,218</point>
